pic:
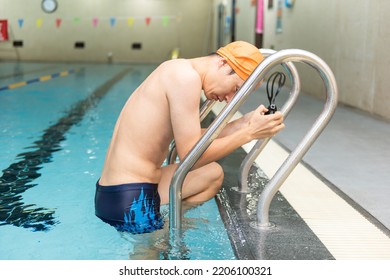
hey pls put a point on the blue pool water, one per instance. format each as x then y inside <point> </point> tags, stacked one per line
<point>53,140</point>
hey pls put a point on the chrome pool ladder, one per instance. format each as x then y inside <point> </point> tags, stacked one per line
<point>284,57</point>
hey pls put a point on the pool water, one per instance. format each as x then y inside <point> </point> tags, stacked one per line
<point>54,136</point>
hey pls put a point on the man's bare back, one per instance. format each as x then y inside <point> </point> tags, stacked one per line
<point>144,131</point>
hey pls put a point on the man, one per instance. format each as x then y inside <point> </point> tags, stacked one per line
<point>165,107</point>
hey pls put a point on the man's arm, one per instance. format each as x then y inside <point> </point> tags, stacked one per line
<point>183,93</point>
<point>254,125</point>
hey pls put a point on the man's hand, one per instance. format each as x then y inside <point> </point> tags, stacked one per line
<point>263,126</point>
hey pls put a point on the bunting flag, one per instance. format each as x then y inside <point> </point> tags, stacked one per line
<point>290,3</point>
<point>20,22</point>
<point>130,21</point>
<point>58,22</point>
<point>3,30</point>
<point>112,21</point>
<point>165,21</point>
<point>148,20</point>
<point>39,22</point>
<point>95,21</point>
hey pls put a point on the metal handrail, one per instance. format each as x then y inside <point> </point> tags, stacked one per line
<point>297,154</point>
<point>206,108</point>
<point>204,111</point>
<point>261,143</point>
<point>284,56</point>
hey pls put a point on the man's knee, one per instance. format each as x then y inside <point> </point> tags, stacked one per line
<point>218,175</point>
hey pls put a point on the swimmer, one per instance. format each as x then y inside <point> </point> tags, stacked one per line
<point>164,107</point>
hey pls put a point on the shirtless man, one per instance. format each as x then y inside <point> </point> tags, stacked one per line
<point>165,106</point>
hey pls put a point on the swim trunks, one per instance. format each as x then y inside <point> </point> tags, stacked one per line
<point>131,207</point>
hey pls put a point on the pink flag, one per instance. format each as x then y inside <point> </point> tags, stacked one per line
<point>147,20</point>
<point>58,22</point>
<point>95,21</point>
<point>3,30</point>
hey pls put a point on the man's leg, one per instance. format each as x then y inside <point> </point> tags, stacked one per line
<point>199,185</point>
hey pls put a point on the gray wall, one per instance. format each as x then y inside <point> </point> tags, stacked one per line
<point>246,20</point>
<point>352,36</point>
<point>188,27</point>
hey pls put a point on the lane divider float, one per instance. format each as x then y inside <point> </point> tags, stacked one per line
<point>40,79</point>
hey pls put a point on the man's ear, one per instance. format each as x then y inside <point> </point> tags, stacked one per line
<point>222,61</point>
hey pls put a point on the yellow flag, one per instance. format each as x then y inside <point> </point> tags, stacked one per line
<point>39,22</point>
<point>130,21</point>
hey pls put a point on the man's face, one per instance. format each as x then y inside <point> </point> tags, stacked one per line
<point>224,84</point>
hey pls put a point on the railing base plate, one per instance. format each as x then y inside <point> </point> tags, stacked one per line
<point>263,226</point>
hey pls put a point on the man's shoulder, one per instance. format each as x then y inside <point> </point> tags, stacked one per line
<point>180,70</point>
<point>177,64</point>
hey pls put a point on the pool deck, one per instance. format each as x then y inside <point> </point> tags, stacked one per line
<point>334,205</point>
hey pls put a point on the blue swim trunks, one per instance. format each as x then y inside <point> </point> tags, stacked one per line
<point>131,207</point>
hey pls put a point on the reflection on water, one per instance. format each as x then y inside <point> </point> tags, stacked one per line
<point>202,239</point>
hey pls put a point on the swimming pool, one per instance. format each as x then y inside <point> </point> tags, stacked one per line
<point>56,123</point>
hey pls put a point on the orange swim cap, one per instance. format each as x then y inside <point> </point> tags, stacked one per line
<point>242,57</point>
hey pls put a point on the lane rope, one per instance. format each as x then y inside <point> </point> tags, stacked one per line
<point>40,79</point>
